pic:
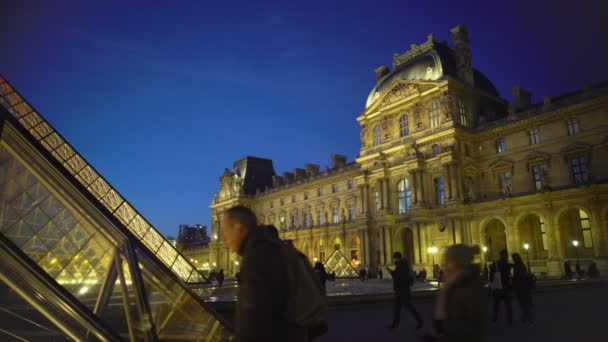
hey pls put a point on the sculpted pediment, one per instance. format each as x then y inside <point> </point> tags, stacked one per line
<point>402,90</point>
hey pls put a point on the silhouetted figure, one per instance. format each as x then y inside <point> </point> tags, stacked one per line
<point>460,309</point>
<point>220,277</point>
<point>266,283</point>
<point>237,276</point>
<point>380,273</point>
<point>579,270</point>
<point>436,271</point>
<point>362,274</point>
<point>568,270</point>
<point>322,274</point>
<point>402,281</point>
<point>592,271</point>
<point>522,286</point>
<point>332,276</point>
<point>501,285</point>
<point>422,275</point>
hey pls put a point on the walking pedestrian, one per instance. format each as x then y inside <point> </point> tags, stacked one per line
<point>402,281</point>
<point>264,281</point>
<point>501,283</point>
<point>522,286</point>
<point>592,271</point>
<point>380,273</point>
<point>322,274</point>
<point>220,277</point>
<point>362,274</point>
<point>568,270</point>
<point>436,271</point>
<point>461,302</point>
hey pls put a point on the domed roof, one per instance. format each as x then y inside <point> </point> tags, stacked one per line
<point>429,66</point>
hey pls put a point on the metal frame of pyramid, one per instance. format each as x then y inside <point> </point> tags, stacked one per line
<point>338,263</point>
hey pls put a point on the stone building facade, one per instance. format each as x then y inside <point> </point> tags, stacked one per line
<point>443,160</point>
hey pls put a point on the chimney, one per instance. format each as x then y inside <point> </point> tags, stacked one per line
<point>462,48</point>
<point>521,98</point>
<point>311,170</point>
<point>337,161</point>
<point>300,174</point>
<point>381,72</point>
<point>546,103</point>
<point>288,177</point>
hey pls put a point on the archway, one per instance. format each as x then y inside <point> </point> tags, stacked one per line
<point>574,225</point>
<point>355,247</point>
<point>337,244</point>
<point>531,230</point>
<point>496,238</point>
<point>320,251</point>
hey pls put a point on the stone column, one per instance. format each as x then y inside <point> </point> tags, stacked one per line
<point>458,181</point>
<point>363,190</point>
<point>420,189</point>
<point>388,236</point>
<point>416,239</point>
<point>458,227</point>
<point>596,231</point>
<point>556,248</point>
<point>386,202</point>
<point>413,186</point>
<point>423,243</point>
<point>448,181</point>
<point>380,190</point>
<point>454,182</point>
<point>367,246</point>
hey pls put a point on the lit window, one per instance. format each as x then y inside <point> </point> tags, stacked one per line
<point>572,126</point>
<point>404,196</point>
<point>434,113</point>
<point>586,229</point>
<point>543,235</point>
<point>579,169</point>
<point>537,176</point>
<point>404,125</point>
<point>534,136</point>
<point>500,145</point>
<point>334,188</point>
<point>439,190</point>
<point>377,135</point>
<point>504,183</point>
<point>462,111</point>
<point>282,220</point>
<point>335,215</point>
<point>377,199</point>
<point>351,211</point>
<point>436,150</point>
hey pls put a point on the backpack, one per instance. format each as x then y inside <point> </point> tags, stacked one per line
<point>306,304</point>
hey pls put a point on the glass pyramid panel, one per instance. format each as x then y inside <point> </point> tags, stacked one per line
<point>65,154</point>
<point>338,263</point>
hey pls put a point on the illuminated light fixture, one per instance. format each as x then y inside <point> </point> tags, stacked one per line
<point>575,243</point>
<point>214,236</point>
<point>432,249</point>
<point>214,264</point>
<point>526,246</point>
<point>484,249</point>
<point>236,262</point>
<point>83,290</point>
<point>315,259</point>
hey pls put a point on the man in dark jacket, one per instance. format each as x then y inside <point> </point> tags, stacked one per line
<point>401,284</point>
<point>263,289</point>
<point>502,288</point>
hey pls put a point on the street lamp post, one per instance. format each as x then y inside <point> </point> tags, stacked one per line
<point>578,266</point>
<point>526,247</point>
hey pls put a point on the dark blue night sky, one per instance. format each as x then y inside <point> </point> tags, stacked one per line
<point>161,96</point>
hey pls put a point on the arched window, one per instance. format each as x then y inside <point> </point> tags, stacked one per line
<point>586,229</point>
<point>572,126</point>
<point>377,135</point>
<point>404,125</point>
<point>404,195</point>
<point>434,113</point>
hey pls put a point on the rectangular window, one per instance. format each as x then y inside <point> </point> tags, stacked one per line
<point>439,190</point>
<point>319,192</point>
<point>272,220</point>
<point>504,183</point>
<point>534,136</point>
<point>462,111</point>
<point>377,200</point>
<point>305,220</point>
<point>434,113</point>
<point>579,169</point>
<point>572,126</point>
<point>321,220</point>
<point>272,204</point>
<point>306,195</point>
<point>293,198</point>
<point>537,177</point>
<point>436,150</point>
<point>293,221</point>
<point>335,215</point>
<point>351,212</point>
<point>334,188</point>
<point>282,201</point>
<point>349,184</point>
<point>586,229</point>
<point>543,235</point>
<point>500,145</point>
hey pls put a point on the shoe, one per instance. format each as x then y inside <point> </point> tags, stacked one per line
<point>392,328</point>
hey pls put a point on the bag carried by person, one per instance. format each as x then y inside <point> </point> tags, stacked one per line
<point>306,304</point>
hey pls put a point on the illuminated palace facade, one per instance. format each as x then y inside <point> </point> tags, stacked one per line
<point>444,160</point>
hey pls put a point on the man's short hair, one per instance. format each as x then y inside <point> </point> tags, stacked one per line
<point>271,230</point>
<point>242,215</point>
